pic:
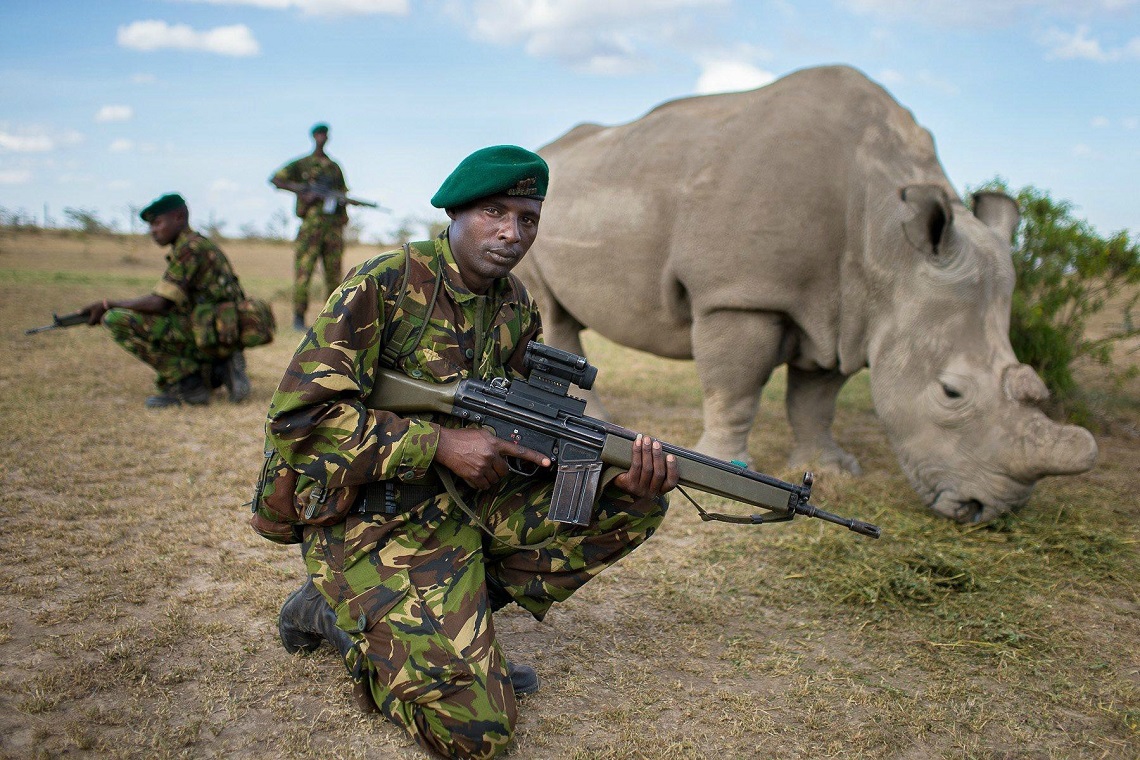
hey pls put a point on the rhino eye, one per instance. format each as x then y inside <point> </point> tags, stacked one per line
<point>950,392</point>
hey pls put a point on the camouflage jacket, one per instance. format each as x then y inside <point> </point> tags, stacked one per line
<point>317,418</point>
<point>197,272</point>
<point>315,170</point>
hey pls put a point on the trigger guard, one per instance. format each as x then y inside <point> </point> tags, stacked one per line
<point>520,466</point>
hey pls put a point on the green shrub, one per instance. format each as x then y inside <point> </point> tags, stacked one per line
<point>1066,272</point>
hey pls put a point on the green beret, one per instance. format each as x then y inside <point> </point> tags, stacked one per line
<point>168,202</point>
<point>500,169</point>
<point>322,127</point>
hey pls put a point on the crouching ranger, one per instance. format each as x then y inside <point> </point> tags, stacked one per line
<point>193,326</point>
<point>405,571</point>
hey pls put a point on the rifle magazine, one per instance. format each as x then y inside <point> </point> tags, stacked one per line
<point>575,488</point>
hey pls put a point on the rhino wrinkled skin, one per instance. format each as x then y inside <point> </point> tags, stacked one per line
<point>808,222</point>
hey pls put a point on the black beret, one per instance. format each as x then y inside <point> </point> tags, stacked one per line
<point>321,127</point>
<point>168,202</point>
<point>499,169</point>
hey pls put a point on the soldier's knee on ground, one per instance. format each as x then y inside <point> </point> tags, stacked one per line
<point>463,716</point>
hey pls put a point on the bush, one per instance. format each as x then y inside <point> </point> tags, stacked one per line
<point>1066,272</point>
<point>87,221</point>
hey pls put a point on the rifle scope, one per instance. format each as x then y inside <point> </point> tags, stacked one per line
<point>550,363</point>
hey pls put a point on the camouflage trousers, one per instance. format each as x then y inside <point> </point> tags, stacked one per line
<point>321,238</point>
<point>164,341</point>
<point>412,592</point>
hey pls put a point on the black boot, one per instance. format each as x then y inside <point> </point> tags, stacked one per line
<point>305,621</point>
<point>300,619</point>
<point>189,390</point>
<point>234,377</point>
<point>524,679</point>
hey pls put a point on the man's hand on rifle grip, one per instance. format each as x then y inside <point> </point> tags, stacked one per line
<point>477,456</point>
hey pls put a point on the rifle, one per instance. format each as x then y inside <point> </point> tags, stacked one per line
<point>539,413</point>
<point>58,322</point>
<point>331,198</point>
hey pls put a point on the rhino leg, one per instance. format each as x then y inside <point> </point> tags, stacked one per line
<point>735,353</point>
<point>811,411</point>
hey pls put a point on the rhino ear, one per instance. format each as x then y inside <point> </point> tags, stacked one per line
<point>997,211</point>
<point>927,229</point>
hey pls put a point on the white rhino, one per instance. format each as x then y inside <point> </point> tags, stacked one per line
<point>807,223</point>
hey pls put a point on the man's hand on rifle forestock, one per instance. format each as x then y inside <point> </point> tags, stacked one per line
<point>478,457</point>
<point>651,473</point>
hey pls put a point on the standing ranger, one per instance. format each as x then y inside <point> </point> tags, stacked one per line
<point>405,584</point>
<point>318,183</point>
<point>165,327</point>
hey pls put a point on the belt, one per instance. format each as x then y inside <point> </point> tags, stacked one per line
<point>392,497</point>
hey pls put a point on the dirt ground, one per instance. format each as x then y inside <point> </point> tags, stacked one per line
<point>138,611</point>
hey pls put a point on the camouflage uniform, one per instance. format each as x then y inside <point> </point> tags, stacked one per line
<point>321,236</point>
<point>415,590</point>
<point>197,272</point>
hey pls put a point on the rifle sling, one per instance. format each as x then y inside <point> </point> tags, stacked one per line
<point>413,318</point>
<point>453,492</point>
<point>737,519</point>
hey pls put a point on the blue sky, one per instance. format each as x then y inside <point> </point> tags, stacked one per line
<point>109,104</point>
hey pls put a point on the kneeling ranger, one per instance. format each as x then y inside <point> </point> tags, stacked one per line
<point>404,581</point>
<point>193,326</point>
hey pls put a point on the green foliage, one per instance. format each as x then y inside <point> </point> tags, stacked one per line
<point>1066,273</point>
<point>87,221</point>
<point>16,219</point>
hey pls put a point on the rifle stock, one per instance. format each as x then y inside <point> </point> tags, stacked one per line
<point>539,414</point>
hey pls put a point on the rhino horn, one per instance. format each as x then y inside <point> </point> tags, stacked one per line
<point>1046,448</point>
<point>931,219</point>
<point>1023,385</point>
<point>997,211</point>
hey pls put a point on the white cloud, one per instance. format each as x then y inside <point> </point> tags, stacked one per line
<point>143,79</point>
<point>122,145</point>
<point>71,178</point>
<point>236,40</point>
<point>891,77</point>
<point>1075,45</point>
<point>15,176</point>
<point>1078,45</point>
<point>1080,150</point>
<point>599,36</point>
<point>1131,122</point>
<point>324,7</point>
<point>1099,122</point>
<point>36,140</point>
<point>927,78</point>
<point>26,143</point>
<point>984,13</point>
<point>115,113</point>
<point>224,186</point>
<point>731,76</point>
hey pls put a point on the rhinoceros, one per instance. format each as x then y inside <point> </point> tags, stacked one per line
<point>809,223</point>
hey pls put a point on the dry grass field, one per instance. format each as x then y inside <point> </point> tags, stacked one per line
<point>138,611</point>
